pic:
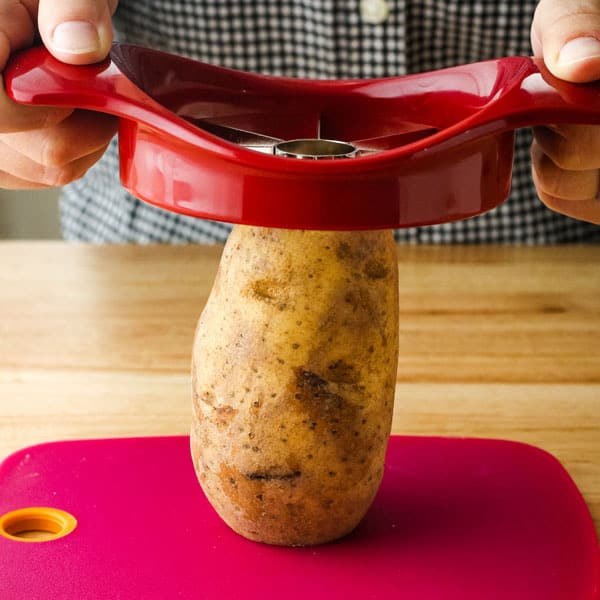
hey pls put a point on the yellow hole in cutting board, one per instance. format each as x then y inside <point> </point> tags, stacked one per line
<point>36,524</point>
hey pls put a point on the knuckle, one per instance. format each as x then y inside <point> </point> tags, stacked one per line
<point>549,201</point>
<point>57,177</point>
<point>545,172</point>
<point>52,116</point>
<point>549,185</point>
<point>571,147</point>
<point>550,181</point>
<point>576,210</point>
<point>579,149</point>
<point>54,151</point>
<point>569,156</point>
<point>565,184</point>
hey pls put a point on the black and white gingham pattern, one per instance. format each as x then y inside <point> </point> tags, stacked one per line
<point>320,39</point>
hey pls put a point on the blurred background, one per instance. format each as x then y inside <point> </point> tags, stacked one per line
<point>30,215</point>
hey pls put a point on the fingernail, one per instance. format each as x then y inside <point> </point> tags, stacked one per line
<point>76,37</point>
<point>579,49</point>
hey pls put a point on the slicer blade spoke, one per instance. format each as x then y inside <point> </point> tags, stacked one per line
<point>286,124</point>
<point>247,139</point>
<point>395,140</point>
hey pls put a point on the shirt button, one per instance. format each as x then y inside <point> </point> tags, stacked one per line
<point>374,12</point>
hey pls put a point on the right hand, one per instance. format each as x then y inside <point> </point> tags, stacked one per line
<point>47,147</point>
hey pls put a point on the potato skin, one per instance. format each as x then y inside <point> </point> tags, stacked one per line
<point>293,377</point>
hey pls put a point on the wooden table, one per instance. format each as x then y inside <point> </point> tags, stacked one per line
<point>501,342</point>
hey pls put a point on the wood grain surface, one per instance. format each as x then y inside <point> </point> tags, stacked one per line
<point>501,342</point>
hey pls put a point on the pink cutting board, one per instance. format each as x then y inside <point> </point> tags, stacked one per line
<point>455,519</point>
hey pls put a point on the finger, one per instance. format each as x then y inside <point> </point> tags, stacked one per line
<point>10,182</point>
<point>559,183</point>
<point>567,35</point>
<point>18,117</point>
<point>77,31</point>
<point>585,210</point>
<point>79,135</point>
<point>536,42</point>
<point>571,147</point>
<point>26,169</point>
<point>17,31</point>
<point>17,28</point>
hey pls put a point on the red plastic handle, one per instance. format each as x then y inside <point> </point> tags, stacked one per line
<point>508,93</point>
<point>536,97</point>
<point>459,167</point>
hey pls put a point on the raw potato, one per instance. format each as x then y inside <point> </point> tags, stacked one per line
<point>294,369</point>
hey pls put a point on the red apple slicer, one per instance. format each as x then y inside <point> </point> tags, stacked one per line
<point>221,144</point>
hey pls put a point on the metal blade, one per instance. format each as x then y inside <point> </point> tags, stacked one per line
<point>388,142</point>
<point>247,139</point>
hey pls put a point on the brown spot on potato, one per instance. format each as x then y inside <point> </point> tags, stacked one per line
<point>246,495</point>
<point>207,397</point>
<point>375,269</point>
<point>224,415</point>
<point>360,248</point>
<point>268,290</point>
<point>323,405</point>
<point>342,372</point>
<point>345,251</point>
<point>272,474</point>
<point>314,393</point>
<point>358,299</point>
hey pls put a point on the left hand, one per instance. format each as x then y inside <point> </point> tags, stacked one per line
<point>566,158</point>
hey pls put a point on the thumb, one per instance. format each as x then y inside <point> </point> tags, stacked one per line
<point>566,33</point>
<point>77,31</point>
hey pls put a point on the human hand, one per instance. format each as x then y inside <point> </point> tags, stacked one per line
<point>46,147</point>
<point>566,158</point>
